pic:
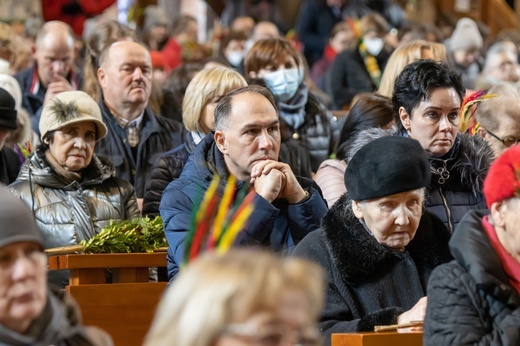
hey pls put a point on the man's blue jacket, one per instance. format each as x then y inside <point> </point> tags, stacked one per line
<point>279,226</point>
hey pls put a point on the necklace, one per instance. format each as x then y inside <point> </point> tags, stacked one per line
<point>443,172</point>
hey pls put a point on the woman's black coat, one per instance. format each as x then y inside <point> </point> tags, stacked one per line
<point>367,283</point>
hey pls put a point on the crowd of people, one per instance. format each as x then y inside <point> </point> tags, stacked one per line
<point>381,160</point>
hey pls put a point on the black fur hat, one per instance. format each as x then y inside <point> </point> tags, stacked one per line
<point>386,166</point>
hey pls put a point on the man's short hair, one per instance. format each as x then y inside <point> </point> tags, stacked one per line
<point>45,30</point>
<point>224,107</point>
<point>103,56</point>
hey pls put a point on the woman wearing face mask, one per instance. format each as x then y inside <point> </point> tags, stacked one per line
<point>304,120</point>
<point>233,50</point>
<point>360,69</point>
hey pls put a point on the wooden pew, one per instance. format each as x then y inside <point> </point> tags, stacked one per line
<point>124,308</point>
<point>377,339</point>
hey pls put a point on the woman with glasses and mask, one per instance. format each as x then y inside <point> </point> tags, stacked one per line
<point>241,298</point>
<point>305,121</point>
<point>426,101</point>
<point>499,118</point>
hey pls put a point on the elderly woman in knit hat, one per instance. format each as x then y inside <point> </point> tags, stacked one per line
<point>72,192</point>
<point>475,299</point>
<point>377,243</point>
<point>30,314</point>
<point>464,51</point>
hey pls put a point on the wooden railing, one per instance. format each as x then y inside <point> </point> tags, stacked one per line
<point>123,308</point>
<point>378,339</point>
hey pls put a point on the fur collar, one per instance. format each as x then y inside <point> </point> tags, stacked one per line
<point>470,157</point>
<point>357,254</point>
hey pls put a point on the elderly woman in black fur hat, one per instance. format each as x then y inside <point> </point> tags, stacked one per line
<point>377,244</point>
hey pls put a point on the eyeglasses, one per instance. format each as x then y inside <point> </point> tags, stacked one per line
<point>274,335</point>
<point>507,142</point>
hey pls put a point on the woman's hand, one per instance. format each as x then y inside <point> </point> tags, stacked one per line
<point>416,313</point>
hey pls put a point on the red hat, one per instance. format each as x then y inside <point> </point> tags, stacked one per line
<point>503,179</point>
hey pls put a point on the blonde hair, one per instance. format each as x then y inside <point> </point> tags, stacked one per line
<point>217,290</point>
<point>402,56</point>
<point>207,84</point>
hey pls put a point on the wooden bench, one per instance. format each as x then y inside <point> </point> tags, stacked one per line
<point>124,308</point>
<point>377,339</point>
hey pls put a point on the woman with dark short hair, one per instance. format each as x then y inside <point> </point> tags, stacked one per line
<point>427,100</point>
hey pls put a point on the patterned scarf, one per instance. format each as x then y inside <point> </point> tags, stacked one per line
<point>370,64</point>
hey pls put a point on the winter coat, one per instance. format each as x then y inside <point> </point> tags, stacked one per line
<point>278,225</point>
<point>314,24</point>
<point>32,99</point>
<point>316,134</point>
<point>330,179</point>
<point>166,169</point>
<point>467,163</point>
<point>367,283</point>
<point>59,324</point>
<point>348,76</point>
<point>157,135</point>
<point>66,214</point>
<point>9,165</point>
<point>470,300</point>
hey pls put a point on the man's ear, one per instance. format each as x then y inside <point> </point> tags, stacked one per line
<point>498,213</point>
<point>482,132</point>
<point>101,76</point>
<point>405,118</point>
<point>220,140</point>
<point>33,50</point>
<point>356,208</point>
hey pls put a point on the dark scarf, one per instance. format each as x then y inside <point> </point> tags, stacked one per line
<point>293,112</point>
<point>58,321</point>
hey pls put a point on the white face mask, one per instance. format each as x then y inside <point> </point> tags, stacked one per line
<point>374,45</point>
<point>235,58</point>
<point>283,83</point>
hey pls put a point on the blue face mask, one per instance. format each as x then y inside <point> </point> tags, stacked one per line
<point>283,83</point>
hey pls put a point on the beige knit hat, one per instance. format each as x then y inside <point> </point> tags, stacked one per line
<point>71,107</point>
<point>466,35</point>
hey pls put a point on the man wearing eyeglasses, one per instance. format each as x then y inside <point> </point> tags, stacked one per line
<point>499,118</point>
